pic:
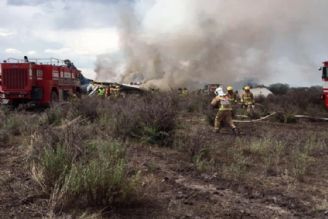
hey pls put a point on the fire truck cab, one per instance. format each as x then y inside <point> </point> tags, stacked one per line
<point>325,79</point>
<point>39,82</point>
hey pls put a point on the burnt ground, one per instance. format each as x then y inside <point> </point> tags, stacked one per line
<point>173,188</point>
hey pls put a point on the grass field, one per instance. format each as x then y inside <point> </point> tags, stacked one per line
<point>155,156</point>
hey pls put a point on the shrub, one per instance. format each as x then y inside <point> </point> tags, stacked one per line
<point>54,164</point>
<point>54,116</point>
<point>100,180</point>
<point>202,160</point>
<point>4,138</point>
<point>237,168</point>
<point>77,170</point>
<point>285,117</point>
<point>88,107</point>
<point>193,103</point>
<point>150,118</point>
<point>300,163</point>
<point>279,89</point>
<point>297,101</point>
<point>13,123</point>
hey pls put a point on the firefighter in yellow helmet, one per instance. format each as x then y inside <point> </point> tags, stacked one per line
<point>185,92</point>
<point>233,97</point>
<point>224,113</point>
<point>115,90</point>
<point>247,100</point>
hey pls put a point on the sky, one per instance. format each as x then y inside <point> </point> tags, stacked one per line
<point>78,30</point>
<point>84,30</point>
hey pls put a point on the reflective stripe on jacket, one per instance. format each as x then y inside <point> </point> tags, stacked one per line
<point>225,104</point>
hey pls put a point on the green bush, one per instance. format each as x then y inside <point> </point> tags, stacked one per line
<point>77,170</point>
<point>101,179</point>
<point>150,117</point>
<point>54,116</point>
<point>54,164</point>
<point>13,124</point>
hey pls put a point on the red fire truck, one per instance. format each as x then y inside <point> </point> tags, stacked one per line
<point>325,79</point>
<point>39,82</point>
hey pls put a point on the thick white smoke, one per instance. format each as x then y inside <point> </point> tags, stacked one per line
<point>174,43</point>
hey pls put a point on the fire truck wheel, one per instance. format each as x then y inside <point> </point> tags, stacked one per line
<point>54,97</point>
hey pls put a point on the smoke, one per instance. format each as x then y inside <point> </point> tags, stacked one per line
<point>187,43</point>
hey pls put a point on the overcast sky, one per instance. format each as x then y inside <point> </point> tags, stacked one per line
<point>77,29</point>
<point>81,30</point>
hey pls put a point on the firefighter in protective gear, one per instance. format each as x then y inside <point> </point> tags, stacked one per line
<point>232,95</point>
<point>115,90</point>
<point>224,113</point>
<point>247,100</point>
<point>185,92</point>
<point>101,91</point>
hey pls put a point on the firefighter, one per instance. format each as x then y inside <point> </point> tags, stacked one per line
<point>224,113</point>
<point>184,92</point>
<point>101,91</point>
<point>233,97</point>
<point>247,100</point>
<point>107,91</point>
<point>115,90</point>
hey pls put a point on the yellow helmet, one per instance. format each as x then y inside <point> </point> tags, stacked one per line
<point>229,88</point>
<point>247,88</point>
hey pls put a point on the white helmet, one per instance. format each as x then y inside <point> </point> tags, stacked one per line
<point>219,92</point>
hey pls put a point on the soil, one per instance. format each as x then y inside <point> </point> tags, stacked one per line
<point>172,188</point>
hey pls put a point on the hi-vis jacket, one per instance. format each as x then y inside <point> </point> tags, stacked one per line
<point>224,103</point>
<point>247,98</point>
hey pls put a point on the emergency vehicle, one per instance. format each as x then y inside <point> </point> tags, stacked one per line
<point>324,70</point>
<point>39,82</point>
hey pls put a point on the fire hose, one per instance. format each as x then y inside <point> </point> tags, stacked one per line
<point>255,120</point>
<point>274,113</point>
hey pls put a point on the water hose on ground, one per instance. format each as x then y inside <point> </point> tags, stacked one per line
<point>274,113</point>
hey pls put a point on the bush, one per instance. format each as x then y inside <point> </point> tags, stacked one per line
<point>88,107</point>
<point>279,89</point>
<point>4,138</point>
<point>77,170</point>
<point>297,101</point>
<point>150,118</point>
<point>194,103</point>
<point>13,124</point>
<point>54,164</point>
<point>100,180</point>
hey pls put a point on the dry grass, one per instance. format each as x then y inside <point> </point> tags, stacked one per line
<point>84,164</point>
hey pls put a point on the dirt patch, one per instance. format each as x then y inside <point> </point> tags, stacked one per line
<point>20,196</point>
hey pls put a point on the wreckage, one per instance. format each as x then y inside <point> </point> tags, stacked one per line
<point>113,89</point>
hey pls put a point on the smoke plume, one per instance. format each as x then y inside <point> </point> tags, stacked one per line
<point>187,43</point>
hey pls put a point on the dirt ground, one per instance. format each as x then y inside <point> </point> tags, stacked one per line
<point>174,189</point>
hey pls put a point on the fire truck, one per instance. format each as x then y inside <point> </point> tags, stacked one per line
<point>38,82</point>
<point>324,70</point>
